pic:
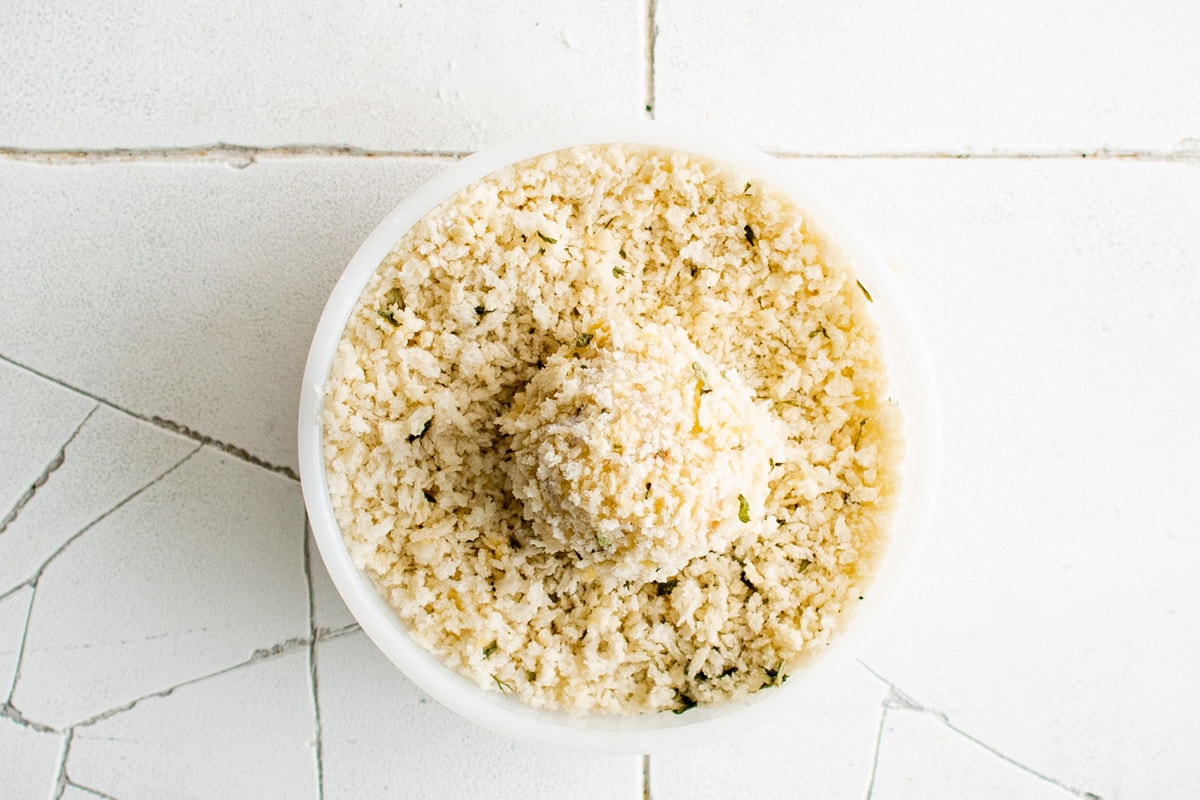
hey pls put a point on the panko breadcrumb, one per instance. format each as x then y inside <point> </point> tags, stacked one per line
<point>608,429</point>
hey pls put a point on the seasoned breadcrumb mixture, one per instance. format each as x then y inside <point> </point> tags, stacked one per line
<point>609,431</point>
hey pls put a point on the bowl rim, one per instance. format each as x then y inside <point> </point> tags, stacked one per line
<point>911,384</point>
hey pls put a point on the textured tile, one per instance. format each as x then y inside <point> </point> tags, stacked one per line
<point>246,733</point>
<point>36,419</point>
<point>329,612</point>
<point>368,707</point>
<point>937,76</point>
<point>14,611</point>
<point>421,74</point>
<point>194,575</point>
<point>920,758</point>
<point>31,762</point>
<point>200,285</point>
<point>112,456</point>
<point>1054,615</point>
<point>825,746</point>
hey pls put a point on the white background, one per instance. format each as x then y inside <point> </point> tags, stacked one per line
<point>181,186</point>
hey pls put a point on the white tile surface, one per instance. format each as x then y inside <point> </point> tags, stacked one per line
<point>418,74</point>
<point>201,285</point>
<point>826,747</point>
<point>247,733</point>
<point>431,752</point>
<point>1054,618</point>
<point>935,76</point>
<point>36,420</point>
<point>1058,592</point>
<point>14,611</point>
<point>31,761</point>
<point>192,576</point>
<point>111,457</point>
<point>919,757</point>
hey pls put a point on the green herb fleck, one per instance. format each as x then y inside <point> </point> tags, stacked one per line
<point>610,222</point>
<point>750,237</point>
<point>480,310</point>
<point>712,199</point>
<point>531,676</point>
<point>747,189</point>
<point>389,315</point>
<point>583,340</point>
<point>774,676</point>
<point>803,565</point>
<point>701,376</point>
<point>501,685</point>
<point>821,330</point>
<point>866,294</point>
<point>491,648</point>
<point>424,430</point>
<point>429,496</point>
<point>621,252</point>
<point>541,251</point>
<point>618,272</point>
<point>617,447</point>
<point>861,424</point>
<point>602,541</point>
<point>665,588</point>
<point>546,238</point>
<point>743,508</point>
<point>395,297</point>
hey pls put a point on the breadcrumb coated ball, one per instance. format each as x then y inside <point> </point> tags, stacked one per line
<point>637,452</point>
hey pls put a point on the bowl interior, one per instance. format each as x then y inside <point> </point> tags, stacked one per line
<point>911,385</point>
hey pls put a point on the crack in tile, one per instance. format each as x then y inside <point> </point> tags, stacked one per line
<point>897,699</point>
<point>60,783</point>
<point>238,156</point>
<point>329,634</point>
<point>883,712</point>
<point>12,688</point>
<point>281,648</point>
<point>237,452</point>
<point>13,714</point>
<point>90,790</point>
<point>128,498</point>
<point>40,480</point>
<point>312,664</point>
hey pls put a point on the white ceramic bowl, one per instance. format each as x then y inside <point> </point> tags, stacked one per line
<point>912,387</point>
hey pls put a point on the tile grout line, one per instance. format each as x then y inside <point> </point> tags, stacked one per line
<point>900,700</point>
<point>40,480</point>
<point>238,156</point>
<point>312,663</point>
<point>651,44</point>
<point>164,424</point>
<point>646,777</point>
<point>242,156</point>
